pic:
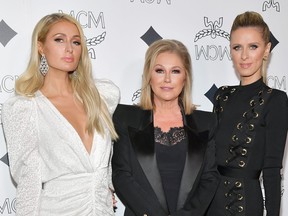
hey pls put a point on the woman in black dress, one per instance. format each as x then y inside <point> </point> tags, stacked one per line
<point>252,129</point>
<point>164,160</point>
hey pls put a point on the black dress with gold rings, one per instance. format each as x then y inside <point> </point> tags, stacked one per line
<point>248,117</point>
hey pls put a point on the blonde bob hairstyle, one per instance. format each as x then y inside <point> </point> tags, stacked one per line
<point>156,48</point>
<point>83,84</point>
<point>254,19</point>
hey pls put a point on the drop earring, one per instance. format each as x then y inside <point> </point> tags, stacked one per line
<point>75,74</point>
<point>43,68</point>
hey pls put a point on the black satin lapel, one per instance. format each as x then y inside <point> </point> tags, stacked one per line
<point>197,143</point>
<point>150,168</point>
<point>143,144</point>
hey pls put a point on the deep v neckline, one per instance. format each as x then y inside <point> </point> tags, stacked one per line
<point>68,124</point>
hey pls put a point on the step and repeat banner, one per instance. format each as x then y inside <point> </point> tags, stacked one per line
<point>118,33</point>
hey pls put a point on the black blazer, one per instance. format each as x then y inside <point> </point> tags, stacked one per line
<point>135,174</point>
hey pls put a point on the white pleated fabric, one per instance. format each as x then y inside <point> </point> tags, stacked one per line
<point>55,174</point>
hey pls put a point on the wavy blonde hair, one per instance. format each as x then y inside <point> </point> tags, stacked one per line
<point>83,85</point>
<point>156,48</point>
<point>253,19</point>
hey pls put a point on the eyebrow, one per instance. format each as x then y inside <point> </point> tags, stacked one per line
<point>62,34</point>
<point>255,42</point>
<point>173,67</point>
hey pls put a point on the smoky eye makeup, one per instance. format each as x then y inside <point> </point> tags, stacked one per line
<point>158,70</point>
<point>58,39</point>
<point>78,43</point>
<point>236,47</point>
<point>176,71</point>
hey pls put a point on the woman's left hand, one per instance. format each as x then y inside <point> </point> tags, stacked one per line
<point>114,201</point>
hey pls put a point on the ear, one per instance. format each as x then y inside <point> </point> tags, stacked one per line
<point>40,47</point>
<point>267,50</point>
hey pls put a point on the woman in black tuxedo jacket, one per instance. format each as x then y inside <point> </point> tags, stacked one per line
<point>163,162</point>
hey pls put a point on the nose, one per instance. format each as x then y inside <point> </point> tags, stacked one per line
<point>167,77</point>
<point>69,48</point>
<point>244,54</point>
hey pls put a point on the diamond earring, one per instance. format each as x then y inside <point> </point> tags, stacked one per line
<point>75,74</point>
<point>43,68</point>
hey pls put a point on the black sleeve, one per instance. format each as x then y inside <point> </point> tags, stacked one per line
<point>276,132</point>
<point>129,191</point>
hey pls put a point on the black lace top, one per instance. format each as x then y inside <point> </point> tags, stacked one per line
<point>171,148</point>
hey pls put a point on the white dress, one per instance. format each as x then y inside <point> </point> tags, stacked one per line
<point>55,174</point>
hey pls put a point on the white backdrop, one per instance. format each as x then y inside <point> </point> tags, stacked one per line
<point>118,33</point>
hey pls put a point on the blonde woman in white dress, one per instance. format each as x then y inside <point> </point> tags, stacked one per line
<point>58,127</point>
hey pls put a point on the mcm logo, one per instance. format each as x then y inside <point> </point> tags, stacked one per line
<point>88,20</point>
<point>6,33</point>
<point>148,37</point>
<point>93,42</point>
<point>5,159</point>
<point>153,1</point>
<point>213,31</point>
<point>136,95</point>
<point>269,4</point>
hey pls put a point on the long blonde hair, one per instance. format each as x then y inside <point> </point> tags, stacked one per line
<point>83,85</point>
<point>156,48</point>
<point>253,19</point>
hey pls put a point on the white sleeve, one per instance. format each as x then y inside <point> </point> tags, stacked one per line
<point>109,92</point>
<point>19,118</point>
<point>110,170</point>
